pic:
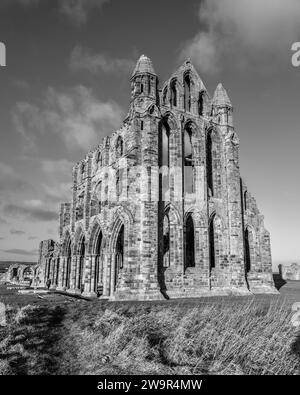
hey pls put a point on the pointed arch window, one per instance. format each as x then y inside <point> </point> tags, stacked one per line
<point>247,251</point>
<point>98,263</point>
<point>164,160</point>
<point>189,243</point>
<point>189,170</point>
<point>120,146</point>
<point>165,94</point>
<point>201,104</point>
<point>173,89</point>
<point>166,241</point>
<point>80,280</point>
<point>82,172</point>
<point>214,163</point>
<point>187,93</point>
<point>211,235</point>
<point>119,184</point>
<point>246,200</point>
<point>209,168</point>
<point>68,269</point>
<point>99,160</point>
<point>119,255</point>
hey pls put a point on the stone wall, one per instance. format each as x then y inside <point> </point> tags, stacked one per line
<point>291,272</point>
<point>159,207</point>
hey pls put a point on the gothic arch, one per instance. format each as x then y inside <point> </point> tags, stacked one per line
<point>174,213</point>
<point>67,242</point>
<point>79,236</point>
<point>119,146</point>
<point>122,216</point>
<point>187,85</point>
<point>165,95</point>
<point>189,241</point>
<point>196,215</point>
<point>175,233</point>
<point>94,233</point>
<point>169,118</point>
<point>174,94</point>
<point>119,244</point>
<point>246,200</point>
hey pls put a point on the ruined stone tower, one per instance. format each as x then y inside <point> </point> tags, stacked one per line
<point>159,208</point>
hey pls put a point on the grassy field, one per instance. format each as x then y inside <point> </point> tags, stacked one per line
<point>62,335</point>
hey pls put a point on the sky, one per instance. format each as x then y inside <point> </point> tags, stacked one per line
<point>66,85</point>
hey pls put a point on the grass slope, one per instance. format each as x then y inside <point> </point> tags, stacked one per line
<point>221,337</point>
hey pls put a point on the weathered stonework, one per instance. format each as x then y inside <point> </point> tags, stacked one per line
<point>291,272</point>
<point>22,274</point>
<point>159,208</point>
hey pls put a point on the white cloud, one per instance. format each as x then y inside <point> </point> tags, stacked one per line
<point>76,116</point>
<point>243,32</point>
<point>84,59</point>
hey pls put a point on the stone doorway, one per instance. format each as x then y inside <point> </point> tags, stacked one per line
<point>98,287</point>
<point>119,256</point>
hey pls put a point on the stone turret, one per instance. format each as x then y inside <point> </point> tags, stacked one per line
<point>144,82</point>
<point>221,106</point>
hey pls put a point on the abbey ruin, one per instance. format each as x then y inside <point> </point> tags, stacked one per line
<point>159,208</point>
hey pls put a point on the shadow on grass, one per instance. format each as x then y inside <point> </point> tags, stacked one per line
<point>278,280</point>
<point>296,348</point>
<point>33,343</point>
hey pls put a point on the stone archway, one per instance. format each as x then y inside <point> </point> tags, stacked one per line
<point>189,242</point>
<point>95,250</point>
<point>68,257</point>
<point>81,258</point>
<point>119,255</point>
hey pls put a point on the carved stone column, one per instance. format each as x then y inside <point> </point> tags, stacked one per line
<point>113,273</point>
<point>106,276</point>
<point>73,272</point>
<point>61,274</point>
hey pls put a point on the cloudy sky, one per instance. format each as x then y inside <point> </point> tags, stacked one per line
<point>66,85</point>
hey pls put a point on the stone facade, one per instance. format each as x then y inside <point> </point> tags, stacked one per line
<point>159,208</point>
<point>23,274</point>
<point>291,272</point>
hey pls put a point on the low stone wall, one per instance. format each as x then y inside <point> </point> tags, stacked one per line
<point>291,272</point>
<point>3,277</point>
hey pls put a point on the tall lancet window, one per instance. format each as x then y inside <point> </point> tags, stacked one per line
<point>120,146</point>
<point>214,163</point>
<point>173,89</point>
<point>189,170</point>
<point>209,169</point>
<point>166,241</point>
<point>211,235</point>
<point>164,160</point>
<point>189,243</point>
<point>187,93</point>
<point>247,251</point>
<point>201,104</point>
<point>80,284</point>
<point>165,94</point>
